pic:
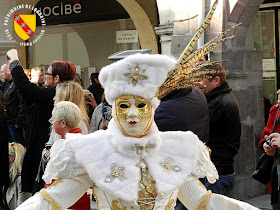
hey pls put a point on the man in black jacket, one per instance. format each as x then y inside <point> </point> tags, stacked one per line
<point>225,127</point>
<point>184,110</point>
<point>41,99</point>
<point>95,88</point>
<point>14,106</point>
<point>4,139</point>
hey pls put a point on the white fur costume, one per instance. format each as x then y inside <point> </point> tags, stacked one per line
<point>109,161</point>
<point>85,160</point>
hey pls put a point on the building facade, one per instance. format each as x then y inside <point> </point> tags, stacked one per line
<point>87,32</point>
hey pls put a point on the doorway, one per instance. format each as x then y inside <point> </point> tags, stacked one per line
<point>266,40</point>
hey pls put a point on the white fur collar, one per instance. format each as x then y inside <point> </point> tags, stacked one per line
<point>131,146</point>
<point>96,152</point>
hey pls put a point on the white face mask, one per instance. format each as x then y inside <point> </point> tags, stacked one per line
<point>133,114</point>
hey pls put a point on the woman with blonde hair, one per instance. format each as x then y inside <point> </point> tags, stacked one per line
<point>65,91</point>
<point>73,92</point>
<point>12,195</point>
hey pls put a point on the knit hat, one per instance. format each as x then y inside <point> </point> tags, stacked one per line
<point>139,75</point>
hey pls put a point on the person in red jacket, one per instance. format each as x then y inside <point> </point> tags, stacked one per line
<point>268,128</point>
<point>271,150</point>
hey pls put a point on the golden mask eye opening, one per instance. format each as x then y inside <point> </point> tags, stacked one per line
<point>123,106</point>
<point>141,105</point>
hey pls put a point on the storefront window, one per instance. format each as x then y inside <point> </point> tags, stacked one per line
<point>264,41</point>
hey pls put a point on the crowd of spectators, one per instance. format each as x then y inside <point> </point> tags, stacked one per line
<point>32,118</point>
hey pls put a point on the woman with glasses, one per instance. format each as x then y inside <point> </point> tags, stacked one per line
<point>66,118</point>
<point>40,101</point>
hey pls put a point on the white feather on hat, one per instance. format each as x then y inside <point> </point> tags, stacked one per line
<point>139,75</point>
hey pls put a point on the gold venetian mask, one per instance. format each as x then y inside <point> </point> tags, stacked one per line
<point>133,114</point>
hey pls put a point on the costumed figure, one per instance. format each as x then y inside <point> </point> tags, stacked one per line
<point>132,165</point>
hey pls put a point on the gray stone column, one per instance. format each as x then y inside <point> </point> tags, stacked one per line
<point>165,34</point>
<point>245,77</point>
<point>245,73</point>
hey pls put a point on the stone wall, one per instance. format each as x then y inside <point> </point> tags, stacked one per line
<point>245,77</point>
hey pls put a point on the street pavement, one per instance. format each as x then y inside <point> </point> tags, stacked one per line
<point>262,202</point>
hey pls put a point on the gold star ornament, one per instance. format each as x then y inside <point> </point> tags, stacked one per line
<point>167,167</point>
<point>116,172</point>
<point>135,76</point>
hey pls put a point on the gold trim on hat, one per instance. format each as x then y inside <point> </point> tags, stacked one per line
<point>135,76</point>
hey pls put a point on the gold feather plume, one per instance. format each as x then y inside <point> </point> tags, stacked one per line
<point>188,72</point>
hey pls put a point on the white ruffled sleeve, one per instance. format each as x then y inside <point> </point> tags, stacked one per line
<point>63,163</point>
<point>71,184</point>
<point>60,195</point>
<point>195,196</point>
<point>35,202</point>
<point>204,166</point>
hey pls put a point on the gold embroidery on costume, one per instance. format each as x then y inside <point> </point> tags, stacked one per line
<point>117,206</point>
<point>139,149</point>
<point>117,172</point>
<point>147,189</point>
<point>135,76</point>
<point>167,167</point>
<point>202,185</point>
<point>56,182</point>
<point>170,205</point>
<point>204,200</point>
<point>208,148</point>
<point>95,196</point>
<point>47,197</point>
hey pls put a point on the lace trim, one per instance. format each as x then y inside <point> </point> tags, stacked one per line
<point>204,200</point>
<point>116,205</point>
<point>170,205</point>
<point>95,196</point>
<point>63,163</point>
<point>47,197</point>
<point>55,183</point>
<point>204,166</point>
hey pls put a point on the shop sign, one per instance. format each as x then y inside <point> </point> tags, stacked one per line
<point>62,9</point>
<point>269,64</point>
<point>127,36</point>
<point>80,11</point>
<point>91,70</point>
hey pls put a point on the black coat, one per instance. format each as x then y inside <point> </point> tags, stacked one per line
<point>4,138</point>
<point>225,128</point>
<point>97,92</point>
<point>183,110</point>
<point>40,99</point>
<point>15,107</point>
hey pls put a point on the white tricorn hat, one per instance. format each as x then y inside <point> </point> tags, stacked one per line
<point>139,75</point>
